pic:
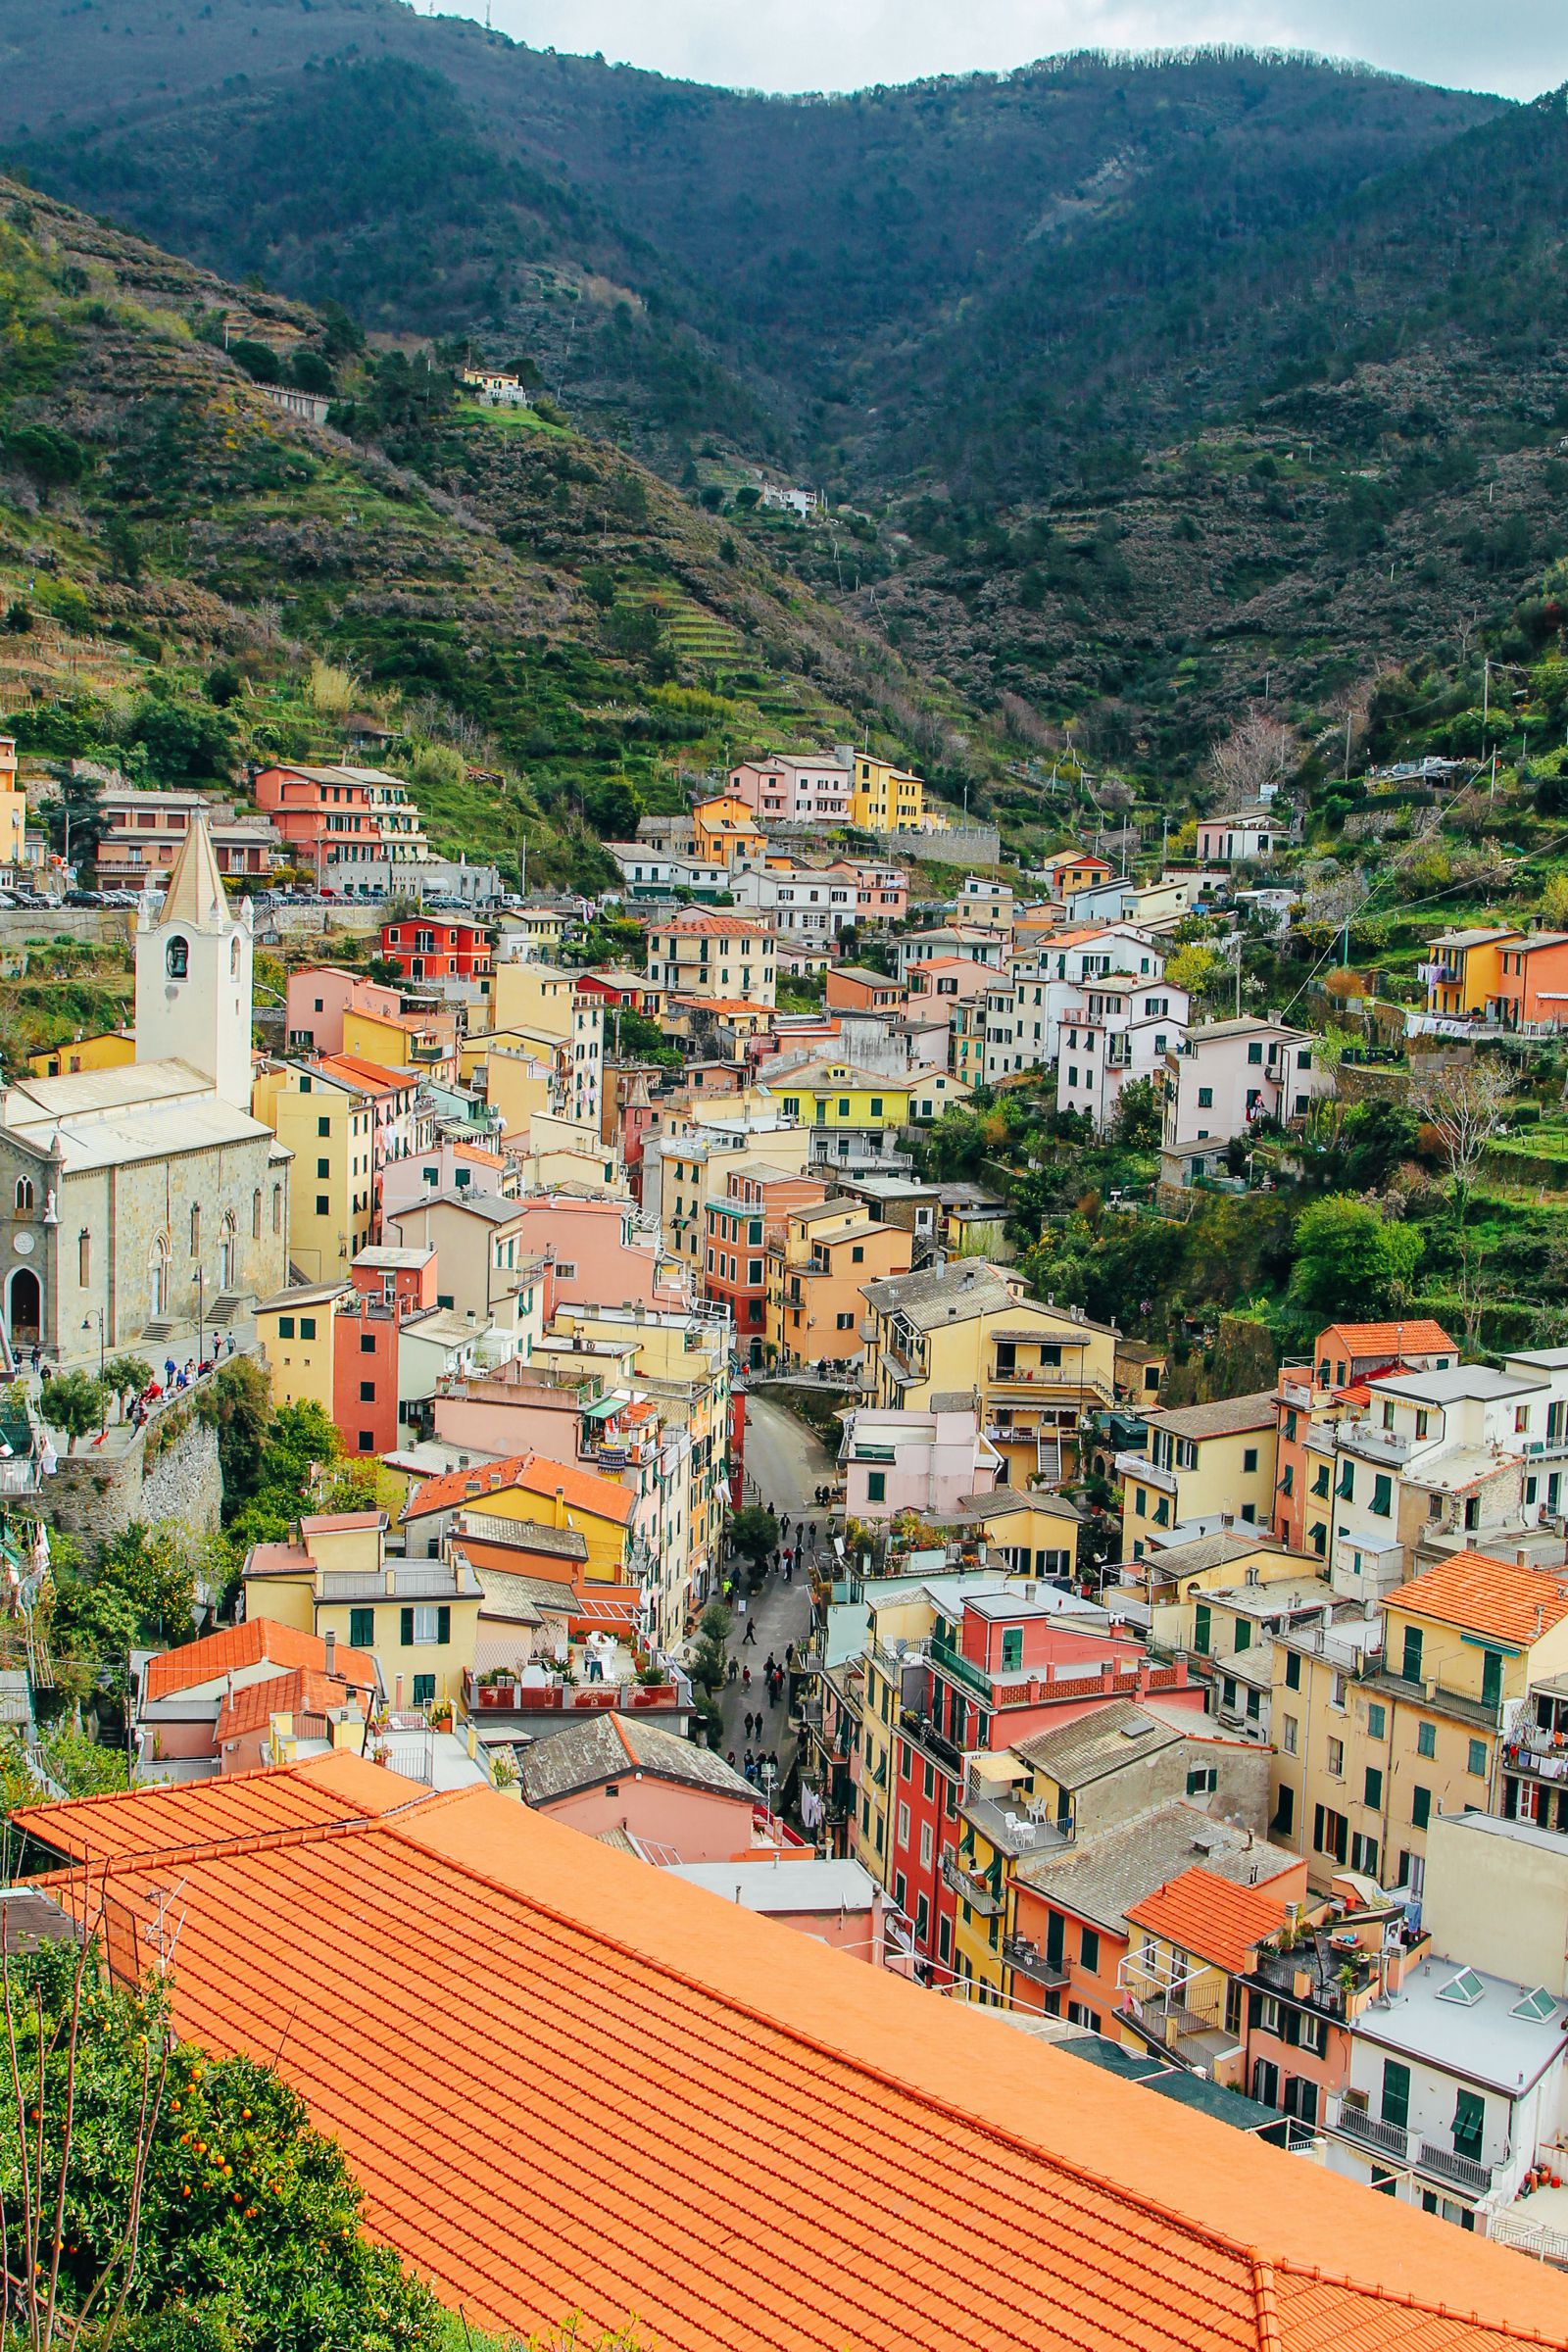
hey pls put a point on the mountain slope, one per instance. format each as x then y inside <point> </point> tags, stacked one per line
<point>516,597</point>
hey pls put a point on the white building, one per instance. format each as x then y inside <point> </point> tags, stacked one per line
<point>1227,1076</point>
<point>1240,834</point>
<point>784,791</point>
<point>1119,1030</point>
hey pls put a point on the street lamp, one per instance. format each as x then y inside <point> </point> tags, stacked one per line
<point>87,1325</point>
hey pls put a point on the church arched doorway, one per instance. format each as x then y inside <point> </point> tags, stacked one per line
<point>23,1309</point>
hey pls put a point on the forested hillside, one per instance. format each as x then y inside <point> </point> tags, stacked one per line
<point>190,577</point>
<point>1143,390</point>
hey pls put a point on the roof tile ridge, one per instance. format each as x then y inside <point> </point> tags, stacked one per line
<point>1283,2266</point>
<point>620,1730</point>
<point>243,1841</point>
<point>1265,2304</point>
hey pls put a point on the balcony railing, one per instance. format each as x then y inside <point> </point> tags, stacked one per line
<point>1460,2172</point>
<point>936,1745</point>
<point>1389,2139</point>
<point>944,1654</point>
<point>977,1892</point>
<point>1375,1444</point>
<point>1026,1959</point>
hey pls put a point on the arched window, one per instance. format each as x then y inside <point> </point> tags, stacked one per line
<point>255,1215</point>
<point>195,1233</point>
<point>225,1250</point>
<point>177,958</point>
<point>233,958</point>
<point>84,1257</point>
<point>277,1208</point>
<point>157,1279</point>
<point>23,1196</point>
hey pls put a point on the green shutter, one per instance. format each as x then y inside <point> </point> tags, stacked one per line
<point>443,1624</point>
<point>407,1628</point>
<point>1395,2093</point>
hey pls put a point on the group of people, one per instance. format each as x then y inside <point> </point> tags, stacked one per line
<point>760,1767</point>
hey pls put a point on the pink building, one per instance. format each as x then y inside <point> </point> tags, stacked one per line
<point>446,1166</point>
<point>497,1416</point>
<point>913,1461</point>
<point>677,1803</point>
<point>947,979</point>
<point>793,792</point>
<point>596,1260</point>
<point>318,998</point>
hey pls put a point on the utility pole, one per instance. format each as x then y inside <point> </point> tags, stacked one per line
<point>1485,690</point>
<point>1347,747</point>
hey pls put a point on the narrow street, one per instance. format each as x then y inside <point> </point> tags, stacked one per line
<point>785,1465</point>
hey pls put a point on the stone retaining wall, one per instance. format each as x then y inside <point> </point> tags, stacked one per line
<point>98,1495</point>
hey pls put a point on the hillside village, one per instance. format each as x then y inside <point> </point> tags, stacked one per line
<point>1177,1716</point>
<point>783,1480</point>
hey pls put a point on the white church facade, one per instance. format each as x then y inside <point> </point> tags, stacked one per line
<point>141,1204</point>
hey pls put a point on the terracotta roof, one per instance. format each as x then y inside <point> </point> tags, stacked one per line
<point>252,1707</point>
<point>257,1641</point>
<point>661,2078</point>
<point>374,1076</point>
<point>1209,1917</point>
<point>1420,1336</point>
<point>709,919</point>
<point>581,1489</point>
<point>240,1804</point>
<point>1485,1595</point>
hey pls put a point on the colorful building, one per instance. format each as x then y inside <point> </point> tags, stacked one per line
<point>428,947</point>
<point>817,1271</point>
<point>711,955</point>
<point>1464,974</point>
<point>1201,1465</point>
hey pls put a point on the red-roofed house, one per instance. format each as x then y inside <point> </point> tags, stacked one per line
<point>530,1487</point>
<point>713,956</point>
<point>181,1694</point>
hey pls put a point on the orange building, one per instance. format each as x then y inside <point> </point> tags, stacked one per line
<point>707,2074</point>
<point>1313,1395</point>
<point>815,1270</point>
<point>1533,981</point>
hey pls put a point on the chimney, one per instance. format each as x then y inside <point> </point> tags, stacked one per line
<point>330,1647</point>
<point>1142,1678</point>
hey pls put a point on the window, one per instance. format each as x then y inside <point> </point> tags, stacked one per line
<point>1336,1756</point>
<point>1381,1496</point>
<point>1254,1052</point>
<point>307,1327</point>
<point>324,1169</point>
<point>323,1126</point>
<point>85,1257</point>
<point>424,1689</point>
<point>426,1625</point>
<point>876,1486</point>
<point>277,1208</point>
<point>1426,1739</point>
<point>177,958</point>
<point>1331,1833</point>
<point>1265,2012</point>
<point>1376,1721</point>
<point>903,1837</point>
<point>196,1232</point>
<point>361,1629</point>
<point>24,1195</point>
<point>1089,1950</point>
<point>1200,1627</point>
<point>1290,1734</point>
<point>366,1391</point>
<point>1491,1678</point>
<point>1372,1793</point>
<point>1206,1098</point>
<point>1469,2122</point>
<point>1293,1669</point>
<point>1395,2107</point>
<point>1411,1667</point>
<point>323,1206</point>
<point>1477,1758</point>
<point>1013,1647</point>
<point>1249,1458</point>
<point>255,1215</point>
<point>1201,1779</point>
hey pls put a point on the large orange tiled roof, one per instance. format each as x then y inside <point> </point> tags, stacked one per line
<point>746,2142</point>
<point>245,1804</point>
<point>237,1648</point>
<point>1209,1917</point>
<point>1485,1595</point>
<point>454,1488</point>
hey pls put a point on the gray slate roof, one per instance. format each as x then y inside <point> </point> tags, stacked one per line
<point>1101,1876</point>
<point>1098,1743</point>
<point>611,1747</point>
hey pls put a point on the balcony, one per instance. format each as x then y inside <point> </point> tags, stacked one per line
<point>1375,1444</point>
<point>1026,1959</point>
<point>1459,2171</point>
<point>934,1744</point>
<point>1385,2139</point>
<point>951,1660</point>
<point>1139,1466</point>
<point>977,1892</point>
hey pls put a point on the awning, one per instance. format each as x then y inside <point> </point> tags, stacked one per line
<point>603,1410</point>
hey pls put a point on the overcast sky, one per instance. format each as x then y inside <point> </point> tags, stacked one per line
<point>1520,47</point>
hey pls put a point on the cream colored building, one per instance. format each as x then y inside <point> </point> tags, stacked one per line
<point>543,1003</point>
<point>723,958</point>
<point>418,1619</point>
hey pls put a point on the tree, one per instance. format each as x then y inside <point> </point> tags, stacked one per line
<point>1465,1105</point>
<point>1136,1124</point>
<point>184,740</point>
<point>1554,901</point>
<point>125,1377</point>
<point>52,459</point>
<point>161,2198</point>
<point>1260,749</point>
<point>1199,969</point>
<point>709,1659</point>
<point>1350,1259</point>
<point>239,1400</point>
<point>76,1402</point>
<point>612,807</point>
<point>754,1534</point>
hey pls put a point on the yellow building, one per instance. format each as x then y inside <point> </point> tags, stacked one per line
<point>403,1041</point>
<point>545,1005</point>
<point>1369,1743</point>
<point>1464,971</point>
<point>838,1096</point>
<point>884,799</point>
<point>418,1619</point>
<point>723,959</point>
<point>971,1328</point>
<point>295,1330</point>
<point>14,823</point>
<point>532,1490</point>
<point>726,833</point>
<point>1201,1461</point>
<point>1025,1531</point>
<point>329,1127</point>
<point>110,1050</point>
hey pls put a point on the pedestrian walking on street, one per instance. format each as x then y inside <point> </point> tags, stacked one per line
<point>748,1638</point>
<point>734,1670</point>
<point>745,1678</point>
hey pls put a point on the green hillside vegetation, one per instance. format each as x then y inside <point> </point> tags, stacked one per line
<point>192,580</point>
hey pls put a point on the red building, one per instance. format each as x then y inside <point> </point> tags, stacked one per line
<point>391,1285</point>
<point>426,949</point>
<point>755,1206</point>
<point>1011,1667</point>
